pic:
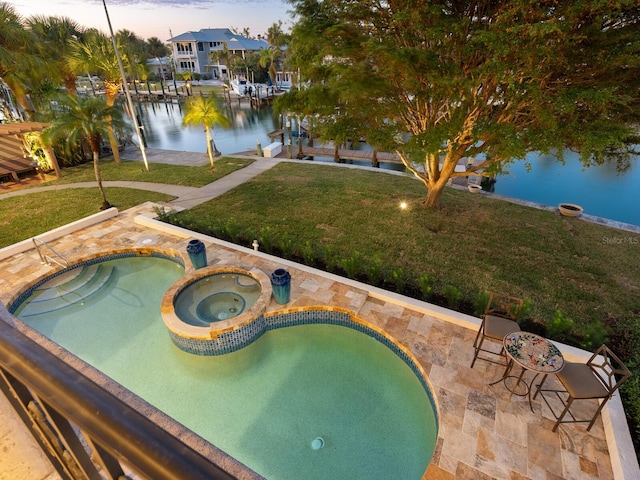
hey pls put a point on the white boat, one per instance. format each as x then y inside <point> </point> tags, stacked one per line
<point>242,87</point>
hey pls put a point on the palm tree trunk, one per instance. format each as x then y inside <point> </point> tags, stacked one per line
<point>96,170</point>
<point>70,84</point>
<point>209,147</point>
<point>111,91</point>
<point>113,143</point>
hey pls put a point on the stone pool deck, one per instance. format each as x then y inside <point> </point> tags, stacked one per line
<point>482,434</point>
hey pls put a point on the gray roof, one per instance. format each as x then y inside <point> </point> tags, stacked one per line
<point>234,42</point>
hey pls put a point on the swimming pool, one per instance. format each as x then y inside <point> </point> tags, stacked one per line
<point>266,404</point>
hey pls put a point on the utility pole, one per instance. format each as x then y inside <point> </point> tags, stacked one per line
<point>126,90</point>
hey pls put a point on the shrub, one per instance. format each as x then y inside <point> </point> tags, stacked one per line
<point>399,279</point>
<point>480,303</point>
<point>595,334</point>
<point>453,296</point>
<point>308,253</point>
<point>233,230</point>
<point>375,272</point>
<point>352,265</point>
<point>267,239</point>
<point>426,286</point>
<point>559,326</point>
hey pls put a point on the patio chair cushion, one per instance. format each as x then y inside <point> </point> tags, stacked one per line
<point>498,327</point>
<point>581,381</point>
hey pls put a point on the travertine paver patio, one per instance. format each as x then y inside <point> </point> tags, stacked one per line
<point>482,434</point>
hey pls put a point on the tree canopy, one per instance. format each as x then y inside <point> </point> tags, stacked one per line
<point>440,81</point>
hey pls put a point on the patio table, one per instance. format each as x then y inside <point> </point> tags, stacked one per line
<point>533,353</point>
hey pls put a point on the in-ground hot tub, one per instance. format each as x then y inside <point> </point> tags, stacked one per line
<point>212,301</point>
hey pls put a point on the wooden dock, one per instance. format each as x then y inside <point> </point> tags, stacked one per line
<point>344,154</point>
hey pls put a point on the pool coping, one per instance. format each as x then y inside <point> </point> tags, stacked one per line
<point>179,327</point>
<point>25,245</point>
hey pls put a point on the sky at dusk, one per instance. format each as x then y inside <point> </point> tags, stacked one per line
<point>156,18</point>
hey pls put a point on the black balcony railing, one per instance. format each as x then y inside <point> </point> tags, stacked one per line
<point>86,431</point>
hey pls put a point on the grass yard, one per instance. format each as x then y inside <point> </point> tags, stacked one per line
<point>26,216</point>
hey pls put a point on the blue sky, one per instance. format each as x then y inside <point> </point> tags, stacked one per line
<point>156,18</point>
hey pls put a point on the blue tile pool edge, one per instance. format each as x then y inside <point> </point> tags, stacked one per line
<point>238,338</point>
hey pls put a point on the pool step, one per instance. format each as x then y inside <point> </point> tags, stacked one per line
<point>67,282</point>
<point>67,289</point>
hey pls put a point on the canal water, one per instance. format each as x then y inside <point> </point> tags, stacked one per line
<point>600,190</point>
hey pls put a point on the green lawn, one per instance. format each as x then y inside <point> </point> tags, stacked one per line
<point>26,216</point>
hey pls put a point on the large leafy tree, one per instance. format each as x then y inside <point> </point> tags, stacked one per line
<point>208,112</point>
<point>437,81</point>
<point>95,54</point>
<point>87,119</point>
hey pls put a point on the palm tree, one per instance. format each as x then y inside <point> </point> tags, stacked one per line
<point>95,54</point>
<point>85,118</point>
<point>208,112</point>
<point>18,63</point>
<point>54,36</point>
<point>156,48</point>
<point>268,58</point>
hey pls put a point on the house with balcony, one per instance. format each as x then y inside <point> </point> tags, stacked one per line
<point>191,51</point>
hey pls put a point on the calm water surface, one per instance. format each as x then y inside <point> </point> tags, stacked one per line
<point>599,190</point>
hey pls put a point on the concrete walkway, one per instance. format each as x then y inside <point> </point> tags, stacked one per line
<point>187,197</point>
<point>223,185</point>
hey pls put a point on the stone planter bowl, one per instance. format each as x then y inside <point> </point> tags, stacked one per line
<point>570,209</point>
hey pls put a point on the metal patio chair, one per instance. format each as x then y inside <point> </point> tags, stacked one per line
<point>499,319</point>
<point>597,379</point>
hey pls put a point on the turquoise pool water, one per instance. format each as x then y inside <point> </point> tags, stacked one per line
<point>264,404</point>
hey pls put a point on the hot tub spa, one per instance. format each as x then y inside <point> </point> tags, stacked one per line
<point>213,301</point>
